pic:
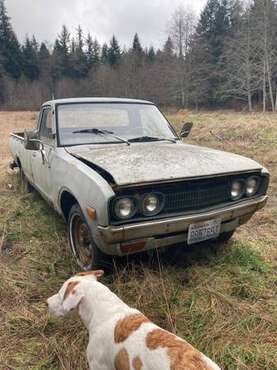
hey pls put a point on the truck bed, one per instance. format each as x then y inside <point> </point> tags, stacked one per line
<point>19,135</point>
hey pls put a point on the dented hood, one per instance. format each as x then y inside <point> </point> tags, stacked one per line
<point>153,162</point>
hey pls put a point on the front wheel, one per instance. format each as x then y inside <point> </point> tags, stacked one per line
<point>83,247</point>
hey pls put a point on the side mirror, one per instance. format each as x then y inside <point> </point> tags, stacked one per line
<point>186,129</point>
<point>31,140</point>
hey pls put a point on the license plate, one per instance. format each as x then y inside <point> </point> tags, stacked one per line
<point>204,231</point>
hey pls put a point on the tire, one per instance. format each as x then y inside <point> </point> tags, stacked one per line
<point>225,237</point>
<point>82,245</point>
<point>25,186</point>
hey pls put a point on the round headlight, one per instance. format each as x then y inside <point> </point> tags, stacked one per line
<point>124,208</point>
<point>237,190</point>
<point>252,184</point>
<point>151,204</point>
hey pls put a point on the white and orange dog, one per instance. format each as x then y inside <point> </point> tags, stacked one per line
<point>120,337</point>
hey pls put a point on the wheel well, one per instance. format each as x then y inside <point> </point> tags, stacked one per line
<point>67,201</point>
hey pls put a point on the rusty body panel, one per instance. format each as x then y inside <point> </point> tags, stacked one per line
<point>93,174</point>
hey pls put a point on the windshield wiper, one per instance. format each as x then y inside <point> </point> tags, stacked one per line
<point>141,139</point>
<point>97,131</point>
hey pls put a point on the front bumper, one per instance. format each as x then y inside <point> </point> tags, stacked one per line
<point>174,225</point>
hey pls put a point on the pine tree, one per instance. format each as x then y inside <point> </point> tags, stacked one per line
<point>105,54</point>
<point>213,30</point>
<point>93,51</point>
<point>44,63</point>
<point>168,48</point>
<point>35,44</point>
<point>114,52</point>
<point>30,59</point>
<point>10,53</point>
<point>150,55</point>
<point>236,14</point>
<point>89,51</point>
<point>61,55</point>
<point>78,57</point>
<point>137,48</point>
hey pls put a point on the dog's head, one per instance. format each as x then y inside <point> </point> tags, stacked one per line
<point>71,293</point>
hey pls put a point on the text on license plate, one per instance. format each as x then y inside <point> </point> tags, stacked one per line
<point>204,231</point>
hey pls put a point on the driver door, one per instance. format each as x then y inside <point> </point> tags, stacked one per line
<point>41,160</point>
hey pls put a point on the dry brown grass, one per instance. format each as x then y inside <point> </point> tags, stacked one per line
<point>13,122</point>
<point>222,300</point>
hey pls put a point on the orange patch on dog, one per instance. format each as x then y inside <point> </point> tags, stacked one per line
<point>97,273</point>
<point>70,288</point>
<point>181,354</point>
<point>121,361</point>
<point>125,327</point>
<point>137,364</point>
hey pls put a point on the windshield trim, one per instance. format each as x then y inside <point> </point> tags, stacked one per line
<point>110,102</point>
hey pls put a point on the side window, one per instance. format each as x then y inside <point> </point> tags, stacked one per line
<point>45,131</point>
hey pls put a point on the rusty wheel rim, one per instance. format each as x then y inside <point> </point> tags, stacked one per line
<point>81,241</point>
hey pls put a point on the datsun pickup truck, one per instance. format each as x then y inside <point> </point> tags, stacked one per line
<point>124,181</point>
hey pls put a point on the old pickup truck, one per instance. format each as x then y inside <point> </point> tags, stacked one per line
<point>121,177</point>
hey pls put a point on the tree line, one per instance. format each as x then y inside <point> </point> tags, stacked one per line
<point>225,58</point>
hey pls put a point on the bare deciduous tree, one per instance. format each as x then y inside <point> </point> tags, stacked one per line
<point>182,27</point>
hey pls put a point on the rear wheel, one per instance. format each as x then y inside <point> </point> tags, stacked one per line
<point>83,247</point>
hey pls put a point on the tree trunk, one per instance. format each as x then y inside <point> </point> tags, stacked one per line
<point>264,89</point>
<point>270,86</point>
<point>250,107</point>
<point>275,98</point>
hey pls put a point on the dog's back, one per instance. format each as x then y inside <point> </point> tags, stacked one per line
<point>139,344</point>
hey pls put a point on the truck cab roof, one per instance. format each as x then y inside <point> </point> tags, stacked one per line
<point>95,100</point>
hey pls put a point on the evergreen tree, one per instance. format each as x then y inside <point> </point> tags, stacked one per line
<point>96,52</point>
<point>44,54</point>
<point>30,59</point>
<point>137,48</point>
<point>211,34</point>
<point>61,55</point>
<point>35,44</point>
<point>78,57</point>
<point>44,61</point>
<point>114,52</point>
<point>214,26</point>
<point>105,54</point>
<point>93,51</point>
<point>89,52</point>
<point>150,55</point>
<point>10,53</point>
<point>168,48</point>
<point>236,15</point>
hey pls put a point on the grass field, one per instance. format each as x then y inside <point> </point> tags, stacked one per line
<point>222,299</point>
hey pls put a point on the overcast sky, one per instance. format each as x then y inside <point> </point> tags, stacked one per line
<point>102,18</point>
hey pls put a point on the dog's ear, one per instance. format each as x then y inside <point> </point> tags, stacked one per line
<point>97,273</point>
<point>72,296</point>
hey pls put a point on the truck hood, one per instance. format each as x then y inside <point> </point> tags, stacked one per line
<point>153,162</point>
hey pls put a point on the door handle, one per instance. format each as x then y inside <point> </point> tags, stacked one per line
<point>34,155</point>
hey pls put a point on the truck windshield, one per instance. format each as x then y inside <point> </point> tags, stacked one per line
<point>81,123</point>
